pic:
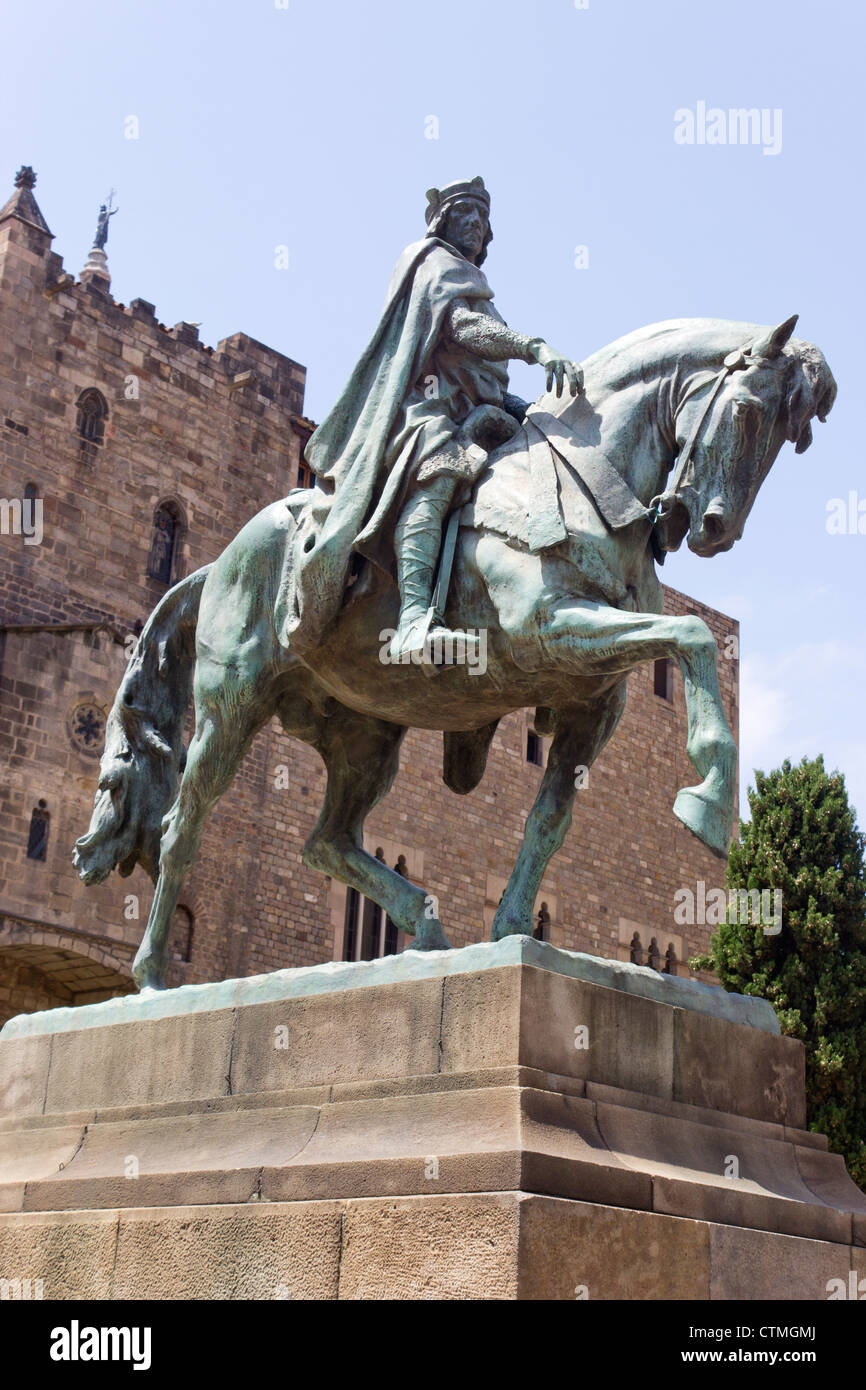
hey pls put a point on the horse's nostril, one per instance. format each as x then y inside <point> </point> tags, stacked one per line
<point>714,525</point>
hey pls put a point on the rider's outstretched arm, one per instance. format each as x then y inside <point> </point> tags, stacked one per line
<point>490,338</point>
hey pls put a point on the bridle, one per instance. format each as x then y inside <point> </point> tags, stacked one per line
<point>659,508</point>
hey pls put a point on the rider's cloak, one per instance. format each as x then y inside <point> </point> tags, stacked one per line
<point>406,398</point>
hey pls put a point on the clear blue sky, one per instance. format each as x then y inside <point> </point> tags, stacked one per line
<point>306,126</point>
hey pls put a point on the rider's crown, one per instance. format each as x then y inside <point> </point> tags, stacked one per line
<point>438,198</point>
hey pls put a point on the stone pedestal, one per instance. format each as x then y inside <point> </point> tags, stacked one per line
<point>96,270</point>
<point>507,1121</point>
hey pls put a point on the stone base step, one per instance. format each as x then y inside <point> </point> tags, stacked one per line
<point>502,1245</point>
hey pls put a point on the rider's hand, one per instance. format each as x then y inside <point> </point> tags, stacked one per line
<point>557,368</point>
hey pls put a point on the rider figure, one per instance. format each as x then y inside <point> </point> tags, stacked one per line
<point>394,448</point>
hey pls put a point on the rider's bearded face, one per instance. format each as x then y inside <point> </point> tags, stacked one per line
<point>466,227</point>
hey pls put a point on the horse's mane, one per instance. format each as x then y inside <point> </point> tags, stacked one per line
<point>681,349</point>
<point>690,346</point>
<point>704,341</point>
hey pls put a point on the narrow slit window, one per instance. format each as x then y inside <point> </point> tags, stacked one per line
<point>37,840</point>
<point>534,749</point>
<point>182,928</point>
<point>350,924</point>
<point>663,679</point>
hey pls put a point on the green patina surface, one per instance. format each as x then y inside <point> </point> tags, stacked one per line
<point>320,612</point>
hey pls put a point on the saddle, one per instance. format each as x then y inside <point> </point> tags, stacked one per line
<point>486,427</point>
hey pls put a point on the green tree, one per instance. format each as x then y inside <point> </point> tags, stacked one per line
<point>803,839</point>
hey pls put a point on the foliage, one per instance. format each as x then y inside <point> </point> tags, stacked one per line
<point>803,839</point>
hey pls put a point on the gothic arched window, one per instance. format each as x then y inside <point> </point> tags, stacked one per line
<point>37,840</point>
<point>164,543</point>
<point>92,415</point>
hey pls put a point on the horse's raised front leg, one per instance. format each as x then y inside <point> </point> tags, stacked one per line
<point>707,810</point>
<point>362,756</point>
<point>579,737</point>
<point>220,742</point>
<point>590,638</point>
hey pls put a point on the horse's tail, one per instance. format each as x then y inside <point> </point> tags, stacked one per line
<point>144,751</point>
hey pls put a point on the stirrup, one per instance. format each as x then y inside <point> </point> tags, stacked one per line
<point>413,639</point>
<point>447,646</point>
<point>432,645</point>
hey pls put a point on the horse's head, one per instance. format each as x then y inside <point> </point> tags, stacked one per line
<point>729,426</point>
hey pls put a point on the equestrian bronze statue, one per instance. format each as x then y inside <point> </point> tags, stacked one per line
<point>340,610</point>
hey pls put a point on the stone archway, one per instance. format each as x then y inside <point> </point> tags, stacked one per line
<point>55,972</point>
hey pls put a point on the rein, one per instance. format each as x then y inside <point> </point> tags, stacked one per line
<point>614,498</point>
<point>684,473</point>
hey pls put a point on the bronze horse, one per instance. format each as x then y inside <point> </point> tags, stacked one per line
<point>681,421</point>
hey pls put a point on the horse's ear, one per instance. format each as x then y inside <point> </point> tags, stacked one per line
<point>775,339</point>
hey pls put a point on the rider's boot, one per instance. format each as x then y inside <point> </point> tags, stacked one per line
<point>417,539</point>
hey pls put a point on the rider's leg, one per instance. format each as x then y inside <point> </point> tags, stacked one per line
<point>417,541</point>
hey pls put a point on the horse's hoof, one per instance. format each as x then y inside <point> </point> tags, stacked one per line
<point>148,976</point>
<point>150,983</point>
<point>706,819</point>
<point>430,936</point>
